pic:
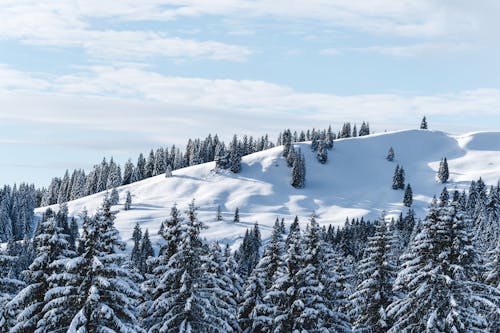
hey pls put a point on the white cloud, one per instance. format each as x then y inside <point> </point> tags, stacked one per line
<point>412,50</point>
<point>136,100</point>
<point>64,24</point>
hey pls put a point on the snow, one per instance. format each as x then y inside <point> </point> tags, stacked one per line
<point>355,181</point>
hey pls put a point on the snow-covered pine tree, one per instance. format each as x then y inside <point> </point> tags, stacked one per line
<point>282,299</point>
<point>159,165</point>
<point>114,175</point>
<point>437,278</point>
<point>168,171</point>
<point>128,172</point>
<point>374,293</point>
<point>6,227</point>
<point>234,156</point>
<point>272,257</point>
<point>236,218</point>
<point>135,255</point>
<point>10,285</point>
<point>322,154</point>
<point>186,303</point>
<point>443,173</point>
<point>146,252</point>
<point>398,180</point>
<point>354,131</point>
<point>128,201</point>
<point>336,289</point>
<point>150,165</point>
<point>423,124</point>
<point>140,169</point>
<point>171,232</point>
<point>286,141</point>
<point>298,170</point>
<point>444,197</point>
<point>107,294</point>
<point>408,197</point>
<point>311,307</point>
<point>39,301</point>
<point>254,314</point>
<point>114,197</point>
<point>365,129</point>
<point>390,155</point>
<point>218,289</point>
<point>218,215</point>
<point>248,254</point>
<point>314,142</point>
<point>329,138</point>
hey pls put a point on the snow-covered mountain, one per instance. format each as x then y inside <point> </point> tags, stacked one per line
<point>356,181</point>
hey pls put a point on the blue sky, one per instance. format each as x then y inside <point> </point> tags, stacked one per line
<point>84,79</point>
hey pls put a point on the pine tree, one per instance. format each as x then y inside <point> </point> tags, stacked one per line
<point>437,278</point>
<point>43,291</point>
<point>255,314</point>
<point>365,129</point>
<point>252,304</point>
<point>236,218</point>
<point>234,156</point>
<point>408,197</point>
<point>108,295</point>
<point>298,171</point>
<point>398,180</point>
<point>218,216</point>
<point>128,201</point>
<point>312,309</point>
<point>423,124</point>
<point>390,155</point>
<point>114,197</point>
<point>219,290</point>
<point>186,303</point>
<point>159,164</point>
<point>443,173</point>
<point>248,254</point>
<point>374,293</point>
<point>10,285</point>
<point>140,169</point>
<point>171,231</point>
<point>128,172</point>
<point>150,165</point>
<point>329,138</point>
<point>286,140</point>
<point>336,289</point>
<point>135,255</point>
<point>146,252</point>
<point>283,299</point>
<point>322,155</point>
<point>168,171</point>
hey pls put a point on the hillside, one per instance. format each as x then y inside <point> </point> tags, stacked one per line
<point>356,181</point>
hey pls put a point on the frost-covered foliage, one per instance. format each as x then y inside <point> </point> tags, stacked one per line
<point>37,306</point>
<point>108,295</point>
<point>377,272</point>
<point>438,278</point>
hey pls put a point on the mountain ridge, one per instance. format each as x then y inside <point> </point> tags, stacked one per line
<point>355,182</point>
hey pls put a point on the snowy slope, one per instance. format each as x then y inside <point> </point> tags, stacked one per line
<point>356,181</point>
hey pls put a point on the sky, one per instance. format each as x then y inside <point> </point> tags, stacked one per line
<point>83,79</point>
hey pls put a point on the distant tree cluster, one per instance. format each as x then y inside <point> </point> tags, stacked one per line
<point>347,132</point>
<point>16,212</point>
<point>295,160</point>
<point>108,175</point>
